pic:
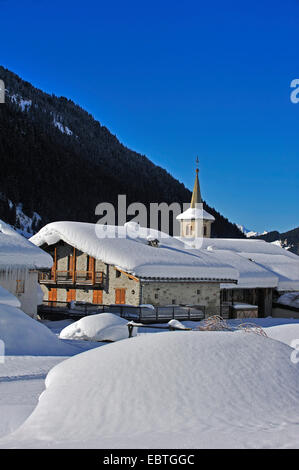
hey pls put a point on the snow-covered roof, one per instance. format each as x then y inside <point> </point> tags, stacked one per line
<point>195,213</point>
<point>18,253</point>
<point>291,299</point>
<point>251,275</point>
<point>127,248</point>
<point>265,258</point>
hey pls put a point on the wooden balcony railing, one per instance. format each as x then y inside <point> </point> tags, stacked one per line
<point>72,277</point>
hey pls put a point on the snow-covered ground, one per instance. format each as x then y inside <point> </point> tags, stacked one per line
<point>31,350</point>
<point>22,380</point>
<point>164,390</point>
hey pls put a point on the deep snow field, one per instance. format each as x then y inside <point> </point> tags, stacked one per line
<point>179,389</point>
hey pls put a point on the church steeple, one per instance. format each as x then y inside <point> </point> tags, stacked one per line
<point>195,222</point>
<point>196,196</point>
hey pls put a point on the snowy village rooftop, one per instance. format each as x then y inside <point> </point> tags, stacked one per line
<point>258,262</point>
<point>253,263</point>
<point>131,252</point>
<point>19,253</point>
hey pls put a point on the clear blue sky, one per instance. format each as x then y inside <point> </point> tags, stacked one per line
<point>173,79</point>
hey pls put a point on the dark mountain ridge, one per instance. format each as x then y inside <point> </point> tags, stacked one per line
<point>59,162</point>
<point>289,239</point>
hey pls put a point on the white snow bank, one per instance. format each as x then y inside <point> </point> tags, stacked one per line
<point>290,298</point>
<point>288,334</point>
<point>22,380</point>
<point>19,253</point>
<point>102,327</point>
<point>23,335</point>
<point>8,299</point>
<point>170,390</point>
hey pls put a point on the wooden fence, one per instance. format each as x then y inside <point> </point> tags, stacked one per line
<point>61,310</point>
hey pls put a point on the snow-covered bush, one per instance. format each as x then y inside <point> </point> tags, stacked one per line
<point>101,327</point>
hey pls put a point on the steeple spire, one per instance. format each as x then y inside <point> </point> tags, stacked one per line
<point>196,196</point>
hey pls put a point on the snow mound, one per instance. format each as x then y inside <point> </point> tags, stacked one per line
<point>291,299</point>
<point>169,390</point>
<point>102,327</point>
<point>8,299</point>
<point>22,335</point>
<point>177,324</point>
<point>284,333</point>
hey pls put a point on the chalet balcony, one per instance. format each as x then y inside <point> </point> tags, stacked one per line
<point>72,278</point>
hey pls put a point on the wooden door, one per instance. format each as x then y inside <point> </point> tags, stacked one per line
<point>120,296</point>
<point>52,297</point>
<point>71,295</point>
<point>97,297</point>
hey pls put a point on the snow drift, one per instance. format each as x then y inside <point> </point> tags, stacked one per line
<point>23,335</point>
<point>290,298</point>
<point>170,390</point>
<point>8,298</point>
<point>288,334</point>
<point>102,327</point>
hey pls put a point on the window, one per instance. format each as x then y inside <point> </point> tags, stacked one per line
<point>97,297</point>
<point>120,296</point>
<point>198,291</point>
<point>156,296</point>
<point>20,286</point>
<point>189,229</point>
<point>173,301</point>
<point>117,273</point>
<point>205,230</point>
<point>70,295</point>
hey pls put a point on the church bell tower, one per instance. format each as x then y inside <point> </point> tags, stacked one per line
<point>195,221</point>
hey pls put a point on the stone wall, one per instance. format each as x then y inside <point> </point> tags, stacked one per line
<point>193,293</point>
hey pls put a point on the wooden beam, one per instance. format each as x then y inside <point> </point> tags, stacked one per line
<point>127,274</point>
<point>93,274</point>
<point>55,264</point>
<point>74,266</point>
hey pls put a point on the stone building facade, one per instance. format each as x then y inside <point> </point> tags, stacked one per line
<point>76,276</point>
